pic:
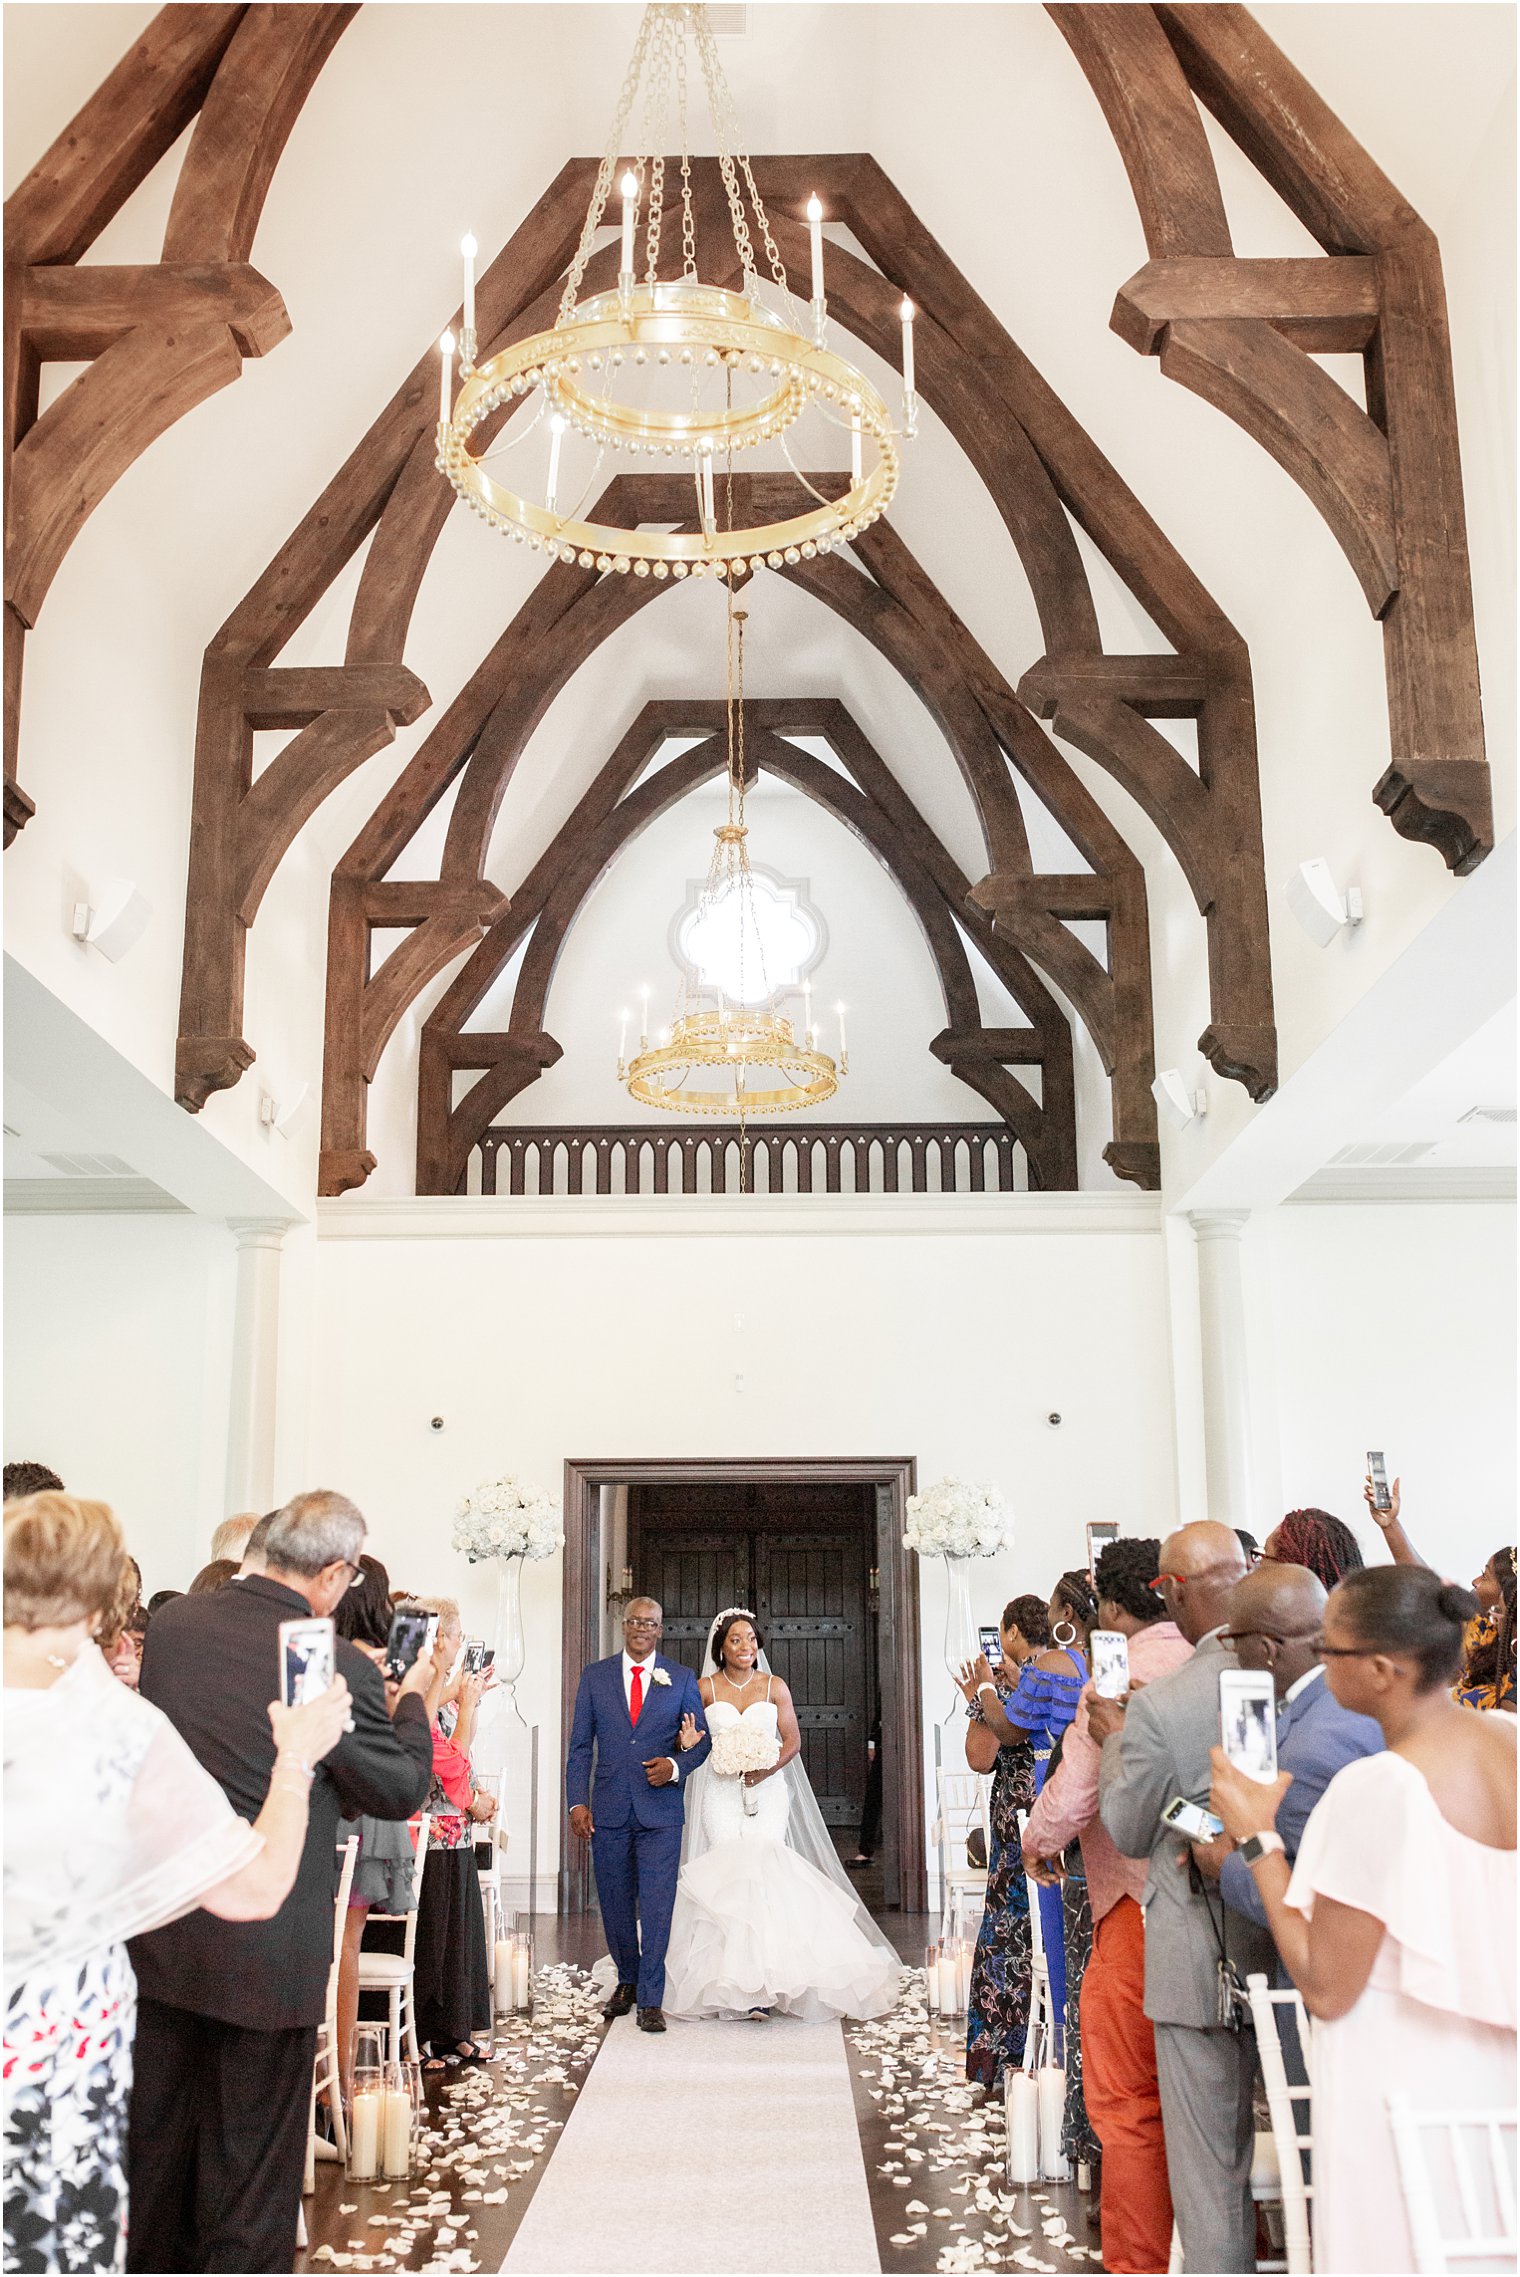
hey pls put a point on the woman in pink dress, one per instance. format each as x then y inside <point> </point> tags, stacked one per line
<point>1397,1922</point>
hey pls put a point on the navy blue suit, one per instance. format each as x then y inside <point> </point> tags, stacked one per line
<point>636,1845</point>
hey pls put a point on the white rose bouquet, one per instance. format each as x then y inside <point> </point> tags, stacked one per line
<point>742,1747</point>
<point>957,1519</point>
<point>506,1519</point>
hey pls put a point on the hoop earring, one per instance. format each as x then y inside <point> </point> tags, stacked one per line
<point>1070,1637</point>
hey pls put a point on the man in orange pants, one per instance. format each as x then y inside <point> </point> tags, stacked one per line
<point>1118,2042</point>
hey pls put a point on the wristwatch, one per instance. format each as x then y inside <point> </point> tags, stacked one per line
<point>1258,1846</point>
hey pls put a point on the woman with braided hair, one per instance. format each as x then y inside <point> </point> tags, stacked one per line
<point>1313,1538</point>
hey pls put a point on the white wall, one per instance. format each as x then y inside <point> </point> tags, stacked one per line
<point>118,1342</point>
<point>947,1346</point>
<point>1388,1326</point>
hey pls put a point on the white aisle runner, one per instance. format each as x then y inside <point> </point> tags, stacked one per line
<point>712,2146</point>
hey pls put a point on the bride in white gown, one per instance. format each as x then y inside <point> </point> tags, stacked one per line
<point>765,1917</point>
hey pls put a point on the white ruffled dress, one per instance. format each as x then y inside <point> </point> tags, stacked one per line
<point>1437,2019</point>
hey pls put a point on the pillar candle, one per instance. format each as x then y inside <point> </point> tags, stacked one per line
<point>503,1974</point>
<point>931,1980</point>
<point>949,1985</point>
<point>396,2155</point>
<point>1021,2108</point>
<point>522,1977</point>
<point>963,1956</point>
<point>815,239</point>
<point>364,2113</point>
<point>1050,2080</point>
<point>469,249</point>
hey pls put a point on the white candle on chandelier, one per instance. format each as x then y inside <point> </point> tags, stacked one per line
<point>839,1008</point>
<point>807,1012</point>
<point>630,189</point>
<point>643,1019</point>
<point>556,434</point>
<point>907,312</point>
<point>446,378</point>
<point>469,249</point>
<point>815,240</point>
<point>622,1037</point>
<point>709,516</point>
<point>856,461</point>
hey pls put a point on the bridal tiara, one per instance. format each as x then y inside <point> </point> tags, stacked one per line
<point>723,1616</point>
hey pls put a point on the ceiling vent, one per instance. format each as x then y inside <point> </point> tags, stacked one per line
<point>729,22</point>
<point>89,1165</point>
<point>1488,1115</point>
<point>1387,1157</point>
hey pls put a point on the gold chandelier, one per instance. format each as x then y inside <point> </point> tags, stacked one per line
<point>672,370</point>
<point>738,1056</point>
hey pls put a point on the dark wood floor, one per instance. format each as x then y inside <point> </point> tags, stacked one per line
<point>928,2143</point>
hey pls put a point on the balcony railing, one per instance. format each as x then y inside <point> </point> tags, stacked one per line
<point>790,1158</point>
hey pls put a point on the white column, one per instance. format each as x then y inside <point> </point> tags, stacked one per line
<point>1226,1377</point>
<point>255,1360</point>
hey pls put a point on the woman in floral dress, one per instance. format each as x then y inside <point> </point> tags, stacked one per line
<point>997,2014</point>
<point>112,1829</point>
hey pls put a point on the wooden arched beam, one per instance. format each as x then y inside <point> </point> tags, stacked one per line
<point>1241,333</point>
<point>159,339</point>
<point>596,834</point>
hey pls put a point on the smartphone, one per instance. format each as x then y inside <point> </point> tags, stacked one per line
<point>992,1647</point>
<point>1110,1663</point>
<point>1099,1535</point>
<point>308,1658</point>
<point>489,1656</point>
<point>1377,1471</point>
<point>1191,1819</point>
<point>408,1635</point>
<point>1248,1722</point>
<point>474,1655</point>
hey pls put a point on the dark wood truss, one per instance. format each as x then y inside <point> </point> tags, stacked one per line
<point>1243,335</point>
<point>159,339</point>
<point>1044,473</point>
<point>611,814</point>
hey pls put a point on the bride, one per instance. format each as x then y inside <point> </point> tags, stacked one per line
<point>765,1917</point>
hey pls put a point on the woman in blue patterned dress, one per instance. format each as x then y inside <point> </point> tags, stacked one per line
<point>1073,1617</point>
<point>998,2010</point>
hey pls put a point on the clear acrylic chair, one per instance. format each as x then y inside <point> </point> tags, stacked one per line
<point>962,1807</point>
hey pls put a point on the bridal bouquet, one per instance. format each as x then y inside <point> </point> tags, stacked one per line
<point>738,1748</point>
<point>958,1520</point>
<point>506,1519</point>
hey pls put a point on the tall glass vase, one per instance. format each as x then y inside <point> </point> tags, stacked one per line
<point>511,1645</point>
<point>961,1642</point>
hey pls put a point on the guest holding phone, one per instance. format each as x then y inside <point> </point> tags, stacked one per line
<point>228,2011</point>
<point>997,2018</point>
<point>1397,1921</point>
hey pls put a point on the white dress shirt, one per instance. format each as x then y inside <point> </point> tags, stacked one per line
<point>647,1666</point>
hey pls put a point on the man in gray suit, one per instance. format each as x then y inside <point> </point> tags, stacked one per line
<point>1156,1749</point>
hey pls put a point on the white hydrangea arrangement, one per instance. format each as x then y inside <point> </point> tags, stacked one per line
<point>958,1519</point>
<point>503,1518</point>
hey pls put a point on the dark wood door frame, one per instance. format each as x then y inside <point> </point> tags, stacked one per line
<point>904,1874</point>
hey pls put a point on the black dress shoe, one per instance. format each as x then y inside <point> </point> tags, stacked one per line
<point>621,2001</point>
<point>651,2019</point>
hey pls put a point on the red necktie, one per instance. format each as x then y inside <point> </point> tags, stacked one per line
<point>636,1695</point>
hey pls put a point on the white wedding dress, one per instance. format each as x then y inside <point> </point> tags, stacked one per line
<point>755,1925</point>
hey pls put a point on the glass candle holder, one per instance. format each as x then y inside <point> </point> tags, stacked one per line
<point>367,2103</point>
<point>512,1972</point>
<point>931,1979</point>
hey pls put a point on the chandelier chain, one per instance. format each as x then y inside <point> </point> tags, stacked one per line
<point>730,147</point>
<point>688,212</point>
<point>606,165</point>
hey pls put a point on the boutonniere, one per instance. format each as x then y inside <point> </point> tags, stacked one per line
<point>659,1676</point>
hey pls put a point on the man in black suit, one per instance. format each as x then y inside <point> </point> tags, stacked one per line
<point>227,2011</point>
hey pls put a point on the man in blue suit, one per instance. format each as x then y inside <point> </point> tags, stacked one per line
<point>1276,1615</point>
<point>629,1711</point>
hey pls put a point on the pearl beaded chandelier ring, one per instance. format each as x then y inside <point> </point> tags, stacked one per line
<point>670,370</point>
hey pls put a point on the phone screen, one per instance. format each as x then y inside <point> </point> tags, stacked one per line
<point>474,1655</point>
<point>1191,1819</point>
<point>1248,1722</point>
<point>1099,1535</point>
<point>308,1657</point>
<point>1378,1472</point>
<point>992,1647</point>
<point>1110,1663</point>
<point>405,1642</point>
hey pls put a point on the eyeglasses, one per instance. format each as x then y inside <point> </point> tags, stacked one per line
<point>1158,1586</point>
<point>1345,1651</point>
<point>642,1623</point>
